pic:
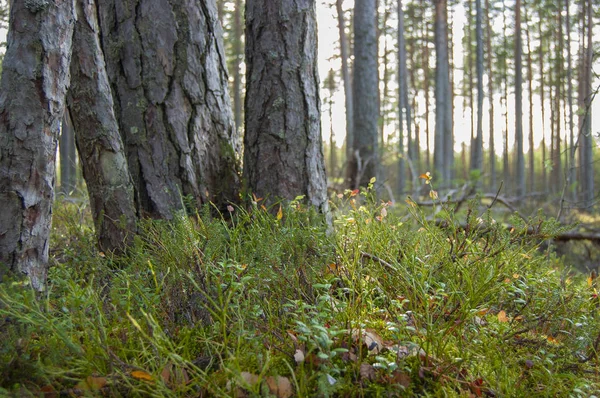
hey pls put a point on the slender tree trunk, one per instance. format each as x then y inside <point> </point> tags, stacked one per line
<point>366,112</point>
<point>283,155</point>
<point>488,29</point>
<point>98,140</point>
<point>344,55</point>
<point>520,165</point>
<point>531,158</point>
<point>443,159</point>
<point>35,78</point>
<point>237,57</point>
<point>571,173</point>
<point>479,138</point>
<point>541,54</point>
<point>169,83</point>
<point>559,80</point>
<point>404,115</point>
<point>426,72</point>
<point>68,155</point>
<point>587,139</point>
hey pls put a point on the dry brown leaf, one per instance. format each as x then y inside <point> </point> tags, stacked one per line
<point>280,386</point>
<point>48,391</point>
<point>141,375</point>
<point>502,317</point>
<point>91,383</point>
<point>367,371</point>
<point>399,377</point>
<point>372,340</point>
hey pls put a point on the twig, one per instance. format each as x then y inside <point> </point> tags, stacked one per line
<point>379,260</point>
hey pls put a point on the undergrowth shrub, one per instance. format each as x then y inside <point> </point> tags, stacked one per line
<point>396,301</point>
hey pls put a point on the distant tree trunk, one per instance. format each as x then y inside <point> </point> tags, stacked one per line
<point>488,29</point>
<point>35,78</point>
<point>404,108</point>
<point>520,165</point>
<point>531,158</point>
<point>98,140</point>
<point>345,55</point>
<point>68,155</point>
<point>166,66</point>
<point>366,112</point>
<point>558,170</point>
<point>587,161</point>
<point>571,173</point>
<point>283,155</point>
<point>425,61</point>
<point>542,101</point>
<point>479,137</point>
<point>238,55</point>
<point>444,144</point>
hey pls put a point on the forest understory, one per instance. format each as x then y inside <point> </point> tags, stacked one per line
<point>399,300</point>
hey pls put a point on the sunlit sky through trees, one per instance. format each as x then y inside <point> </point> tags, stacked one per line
<point>329,59</point>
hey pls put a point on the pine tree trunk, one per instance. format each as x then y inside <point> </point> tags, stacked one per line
<point>488,29</point>
<point>238,57</point>
<point>571,174</point>
<point>345,55</point>
<point>531,179</point>
<point>443,143</point>
<point>520,164</point>
<point>479,66</point>
<point>404,107</point>
<point>166,67</point>
<point>365,95</point>
<point>283,155</point>
<point>587,171</point>
<point>35,77</point>
<point>68,156</point>
<point>98,140</point>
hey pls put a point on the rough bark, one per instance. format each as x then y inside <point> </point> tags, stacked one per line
<point>166,67</point>
<point>571,175</point>
<point>97,134</point>
<point>283,154</point>
<point>68,155</point>
<point>238,55</point>
<point>443,142</point>
<point>35,77</point>
<point>366,105</point>
<point>345,55</point>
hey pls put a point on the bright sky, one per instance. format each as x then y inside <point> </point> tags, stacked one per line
<point>328,47</point>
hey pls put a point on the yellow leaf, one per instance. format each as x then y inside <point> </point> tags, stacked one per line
<point>373,180</point>
<point>433,194</point>
<point>516,276</point>
<point>502,317</point>
<point>141,375</point>
<point>280,213</point>
<point>590,281</point>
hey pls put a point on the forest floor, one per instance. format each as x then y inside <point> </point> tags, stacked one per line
<point>265,302</point>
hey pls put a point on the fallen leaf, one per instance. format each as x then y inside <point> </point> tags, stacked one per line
<point>91,383</point>
<point>280,386</point>
<point>372,340</point>
<point>280,213</point>
<point>502,317</point>
<point>49,391</point>
<point>141,375</point>
<point>399,377</point>
<point>299,356</point>
<point>249,378</point>
<point>367,371</point>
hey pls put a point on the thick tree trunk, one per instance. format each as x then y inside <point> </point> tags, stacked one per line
<point>345,55</point>
<point>166,66</point>
<point>98,141</point>
<point>68,156</point>
<point>35,77</point>
<point>587,140</point>
<point>571,175</point>
<point>443,143</point>
<point>366,110</point>
<point>283,155</point>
